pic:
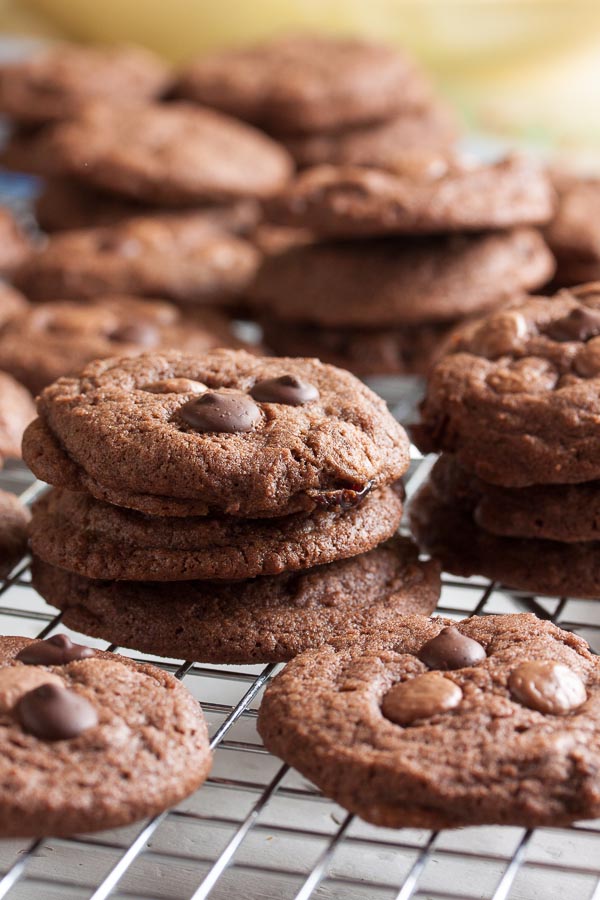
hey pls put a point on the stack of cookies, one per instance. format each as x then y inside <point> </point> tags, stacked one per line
<point>221,507</point>
<point>327,99</point>
<point>515,408</point>
<point>402,258</point>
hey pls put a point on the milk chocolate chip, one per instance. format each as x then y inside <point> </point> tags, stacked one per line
<point>451,650</point>
<point>421,697</point>
<point>54,713</point>
<point>54,651</point>
<point>286,389</point>
<point>547,686</point>
<point>176,386</point>
<point>223,413</point>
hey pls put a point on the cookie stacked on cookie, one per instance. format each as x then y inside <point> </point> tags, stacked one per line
<point>221,507</point>
<point>514,406</point>
<point>401,258</point>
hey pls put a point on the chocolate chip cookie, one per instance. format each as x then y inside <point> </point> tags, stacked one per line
<point>17,410</point>
<point>447,529</point>
<point>269,619</point>
<point>225,432</point>
<point>14,518</point>
<point>306,83</point>
<point>56,80</point>
<point>433,194</point>
<point>173,256</point>
<point>60,338</point>
<point>169,155</point>
<point>98,540</point>
<point>390,282</point>
<point>516,399</point>
<point>91,740</point>
<point>434,724</point>
<point>65,205</point>
<point>574,232</point>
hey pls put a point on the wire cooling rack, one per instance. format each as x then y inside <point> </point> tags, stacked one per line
<point>258,831</point>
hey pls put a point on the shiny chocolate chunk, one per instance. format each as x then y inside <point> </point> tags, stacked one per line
<point>142,333</point>
<point>57,650</point>
<point>420,698</point>
<point>176,386</point>
<point>547,686</point>
<point>221,413</point>
<point>579,325</point>
<point>344,498</point>
<point>286,389</point>
<point>451,650</point>
<point>54,713</point>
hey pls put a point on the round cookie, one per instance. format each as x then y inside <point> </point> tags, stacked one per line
<point>65,205</point>
<point>12,303</point>
<point>433,724</point>
<point>250,437</point>
<point>516,399</point>
<point>17,410</point>
<point>61,337</point>
<point>173,256</point>
<point>83,535</point>
<point>170,155</point>
<point>569,513</point>
<point>409,282</point>
<point>14,518</point>
<point>85,736</point>
<point>380,145</point>
<point>574,232</point>
<point>448,531</point>
<point>306,83</point>
<point>268,619</point>
<point>55,81</point>
<point>432,194</point>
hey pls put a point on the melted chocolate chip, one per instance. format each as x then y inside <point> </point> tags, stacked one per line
<point>57,650</point>
<point>224,413</point>
<point>286,389</point>
<point>54,713</point>
<point>579,325</point>
<point>547,686</point>
<point>421,697</point>
<point>451,650</point>
<point>142,333</point>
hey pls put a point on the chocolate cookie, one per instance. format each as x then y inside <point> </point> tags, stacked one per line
<point>225,432</point>
<point>174,256</point>
<point>306,83</point>
<point>65,205</point>
<point>433,194</point>
<point>556,512</point>
<point>574,232</point>
<point>15,246</point>
<point>60,338</point>
<point>91,740</point>
<point>516,399</point>
<point>98,540</point>
<point>17,410</point>
<point>435,724</point>
<point>268,619</point>
<point>14,518</point>
<point>55,81</point>
<point>170,155</point>
<point>448,531</point>
<point>381,145</point>
<point>12,303</point>
<point>387,282</point>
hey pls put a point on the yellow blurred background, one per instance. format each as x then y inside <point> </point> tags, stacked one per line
<point>521,68</point>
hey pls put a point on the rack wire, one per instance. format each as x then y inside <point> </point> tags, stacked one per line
<point>258,831</point>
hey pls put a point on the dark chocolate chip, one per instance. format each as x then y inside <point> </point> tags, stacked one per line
<point>547,686</point>
<point>419,698</point>
<point>579,325</point>
<point>142,333</point>
<point>451,650</point>
<point>225,413</point>
<point>57,650</point>
<point>344,498</point>
<point>286,389</point>
<point>54,713</point>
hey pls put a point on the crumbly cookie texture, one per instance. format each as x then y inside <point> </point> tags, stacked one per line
<point>228,431</point>
<point>85,738</point>
<point>516,398</point>
<point>437,724</point>
<point>267,619</point>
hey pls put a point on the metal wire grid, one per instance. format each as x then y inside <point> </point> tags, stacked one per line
<point>256,829</point>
